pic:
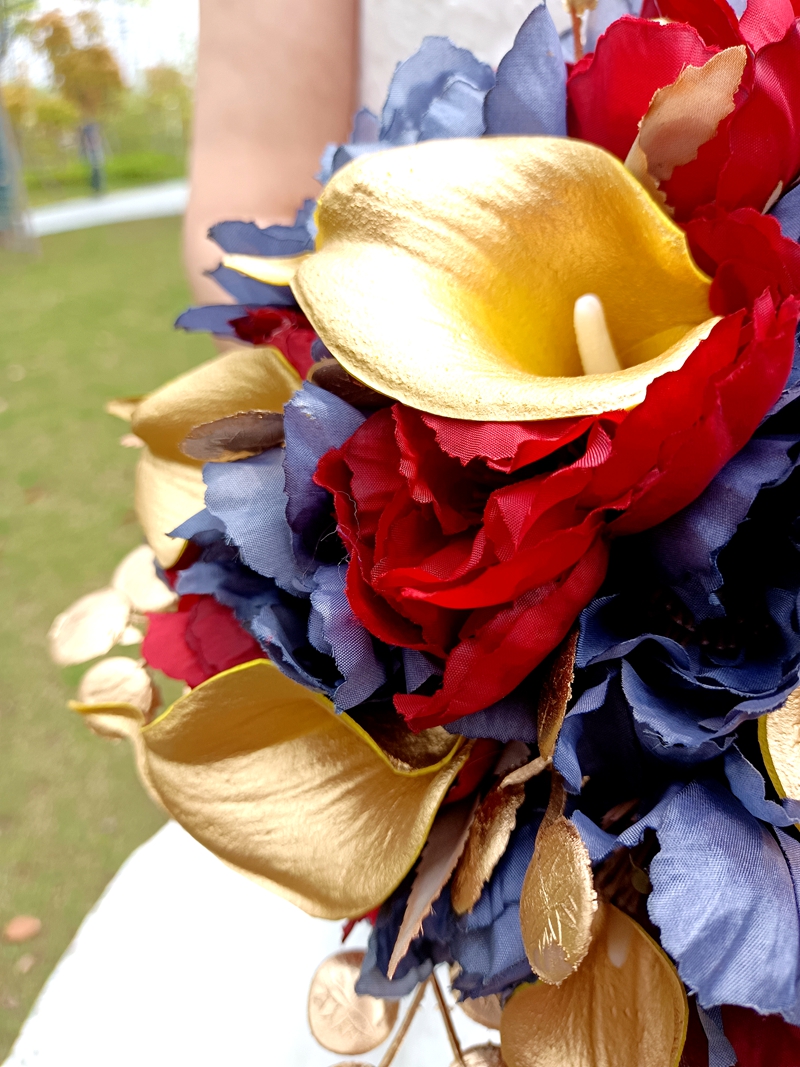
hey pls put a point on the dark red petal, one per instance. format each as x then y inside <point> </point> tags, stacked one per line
<point>287,330</point>
<point>610,91</point>
<point>761,1040</point>
<point>715,20</point>
<point>482,760</point>
<point>765,21</point>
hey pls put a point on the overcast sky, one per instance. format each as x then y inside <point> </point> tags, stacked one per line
<point>141,35</point>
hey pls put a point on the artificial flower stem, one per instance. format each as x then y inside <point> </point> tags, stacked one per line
<point>402,1030</point>
<point>452,1036</point>
<point>596,348</point>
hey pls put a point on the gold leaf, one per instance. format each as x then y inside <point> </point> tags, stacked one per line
<point>122,407</point>
<point>117,680</point>
<point>685,115</point>
<point>558,902</point>
<point>331,376</point>
<point>341,1020</point>
<point>275,270</point>
<point>88,628</point>
<point>487,1055</point>
<point>487,841</point>
<point>235,437</point>
<point>444,845</point>
<point>265,774</point>
<point>492,241</point>
<point>555,695</point>
<point>779,735</point>
<point>484,1010</point>
<point>259,378</point>
<point>625,1005</point>
<point>136,578</point>
<point>167,493</point>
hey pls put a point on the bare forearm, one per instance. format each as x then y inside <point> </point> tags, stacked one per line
<point>276,82</point>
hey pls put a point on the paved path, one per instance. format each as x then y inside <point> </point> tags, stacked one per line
<point>147,202</point>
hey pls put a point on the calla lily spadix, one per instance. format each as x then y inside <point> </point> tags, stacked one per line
<point>495,243</point>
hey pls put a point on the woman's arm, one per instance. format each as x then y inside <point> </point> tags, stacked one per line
<point>276,81</point>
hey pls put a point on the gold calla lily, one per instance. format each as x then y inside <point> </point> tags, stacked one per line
<point>779,736</point>
<point>265,774</point>
<point>169,484</point>
<point>524,261</point>
<point>624,1005</point>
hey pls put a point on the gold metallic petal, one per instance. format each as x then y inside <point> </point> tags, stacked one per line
<point>624,1006</point>
<point>684,116</point>
<point>122,407</point>
<point>442,849</point>
<point>555,695</point>
<point>265,774</point>
<point>341,1020</point>
<point>484,1010</point>
<point>491,241</point>
<point>88,628</point>
<point>488,838</point>
<point>779,734</point>
<point>558,903</point>
<point>167,493</point>
<point>275,270</point>
<point>239,381</point>
<point>117,680</point>
<point>136,578</point>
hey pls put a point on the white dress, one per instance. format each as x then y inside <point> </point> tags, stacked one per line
<point>183,962</point>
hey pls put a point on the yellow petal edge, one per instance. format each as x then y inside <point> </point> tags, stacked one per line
<point>265,774</point>
<point>624,1005</point>
<point>446,276</point>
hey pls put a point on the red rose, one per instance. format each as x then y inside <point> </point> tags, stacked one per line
<point>756,151</point>
<point>287,330</point>
<point>479,543</point>
<point>197,641</point>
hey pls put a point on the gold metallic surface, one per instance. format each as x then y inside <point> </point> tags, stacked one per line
<point>555,695</point>
<point>779,735</point>
<point>117,680</point>
<point>685,115</point>
<point>135,577</point>
<point>488,838</point>
<point>487,1055</point>
<point>341,1020</point>
<point>239,381</point>
<point>116,721</point>
<point>88,628</point>
<point>625,1006</point>
<point>447,273</point>
<point>166,494</point>
<point>264,773</point>
<point>439,856</point>
<point>558,903</point>
<point>275,270</point>
<point>484,1010</point>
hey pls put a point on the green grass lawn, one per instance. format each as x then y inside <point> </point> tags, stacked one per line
<point>88,319</point>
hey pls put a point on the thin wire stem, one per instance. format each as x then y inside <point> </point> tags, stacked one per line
<point>402,1030</point>
<point>577,31</point>
<point>452,1036</point>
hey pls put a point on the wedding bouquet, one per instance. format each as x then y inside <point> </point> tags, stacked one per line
<point>480,555</point>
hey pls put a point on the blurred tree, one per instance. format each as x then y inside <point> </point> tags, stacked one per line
<point>167,90</point>
<point>84,69</point>
<point>13,20</point>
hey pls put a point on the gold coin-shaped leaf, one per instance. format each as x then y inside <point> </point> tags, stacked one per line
<point>265,774</point>
<point>555,695</point>
<point>624,1007</point>
<point>488,838</point>
<point>492,241</point>
<point>341,1020</point>
<point>167,494</point>
<point>558,902</point>
<point>487,1055</point>
<point>89,628</point>
<point>484,1010</point>
<point>779,734</point>
<point>117,680</point>
<point>136,578</point>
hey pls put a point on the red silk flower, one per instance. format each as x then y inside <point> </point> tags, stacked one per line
<point>756,150</point>
<point>197,641</point>
<point>480,543</point>
<point>287,330</point>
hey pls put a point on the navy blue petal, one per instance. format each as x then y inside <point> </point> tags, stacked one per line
<point>245,238</point>
<point>787,212</point>
<point>251,292</point>
<point>457,112</point>
<point>211,318</point>
<point>531,92</point>
<point>749,787</point>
